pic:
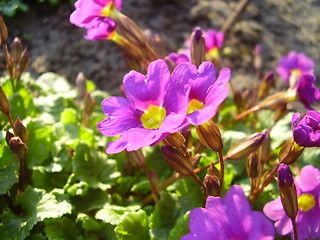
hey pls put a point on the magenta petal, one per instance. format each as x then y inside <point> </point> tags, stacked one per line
<point>263,229</point>
<point>117,126</point>
<point>85,11</point>
<point>309,179</point>
<point>100,29</point>
<point>201,116</point>
<point>148,90</point>
<point>116,107</point>
<point>172,123</point>
<point>274,210</point>
<point>283,73</point>
<point>133,140</point>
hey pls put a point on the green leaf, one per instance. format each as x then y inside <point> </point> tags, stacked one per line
<point>112,213</point>
<point>9,169</point>
<point>181,228</point>
<point>309,156</point>
<point>94,168</point>
<point>281,131</point>
<point>40,142</point>
<point>61,229</point>
<point>133,226</point>
<point>165,215</point>
<point>52,82</point>
<point>69,115</point>
<point>10,8</point>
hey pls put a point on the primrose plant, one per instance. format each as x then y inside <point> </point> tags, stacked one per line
<point>180,154</point>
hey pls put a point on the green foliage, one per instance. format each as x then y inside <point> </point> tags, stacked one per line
<point>9,165</point>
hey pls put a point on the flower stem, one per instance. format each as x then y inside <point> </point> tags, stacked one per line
<point>221,161</point>
<point>295,229</point>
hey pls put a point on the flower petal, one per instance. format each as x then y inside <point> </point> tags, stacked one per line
<point>309,179</point>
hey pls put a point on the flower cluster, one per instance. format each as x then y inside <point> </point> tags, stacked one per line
<point>159,103</point>
<point>230,217</point>
<point>308,220</point>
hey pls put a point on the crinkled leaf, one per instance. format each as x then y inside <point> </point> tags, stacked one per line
<point>61,229</point>
<point>9,169</point>
<point>181,228</point>
<point>133,226</point>
<point>52,82</point>
<point>94,167</point>
<point>165,215</point>
<point>281,131</point>
<point>112,213</point>
<point>310,156</point>
<point>68,115</point>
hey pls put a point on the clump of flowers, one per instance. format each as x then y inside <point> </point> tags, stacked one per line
<point>307,219</point>
<point>306,131</point>
<point>230,217</point>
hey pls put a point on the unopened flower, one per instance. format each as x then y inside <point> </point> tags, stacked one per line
<point>95,16</point>
<point>307,219</point>
<point>226,218</point>
<point>206,91</point>
<point>293,66</point>
<point>306,132</point>
<point>153,109</point>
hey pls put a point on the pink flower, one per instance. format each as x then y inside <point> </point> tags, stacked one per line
<point>308,217</point>
<point>227,218</point>
<point>153,108</point>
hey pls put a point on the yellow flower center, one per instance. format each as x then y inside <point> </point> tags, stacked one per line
<point>194,105</point>
<point>107,10</point>
<point>295,72</point>
<point>153,117</point>
<point>306,202</point>
<point>214,53</point>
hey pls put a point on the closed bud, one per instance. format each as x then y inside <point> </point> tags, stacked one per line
<point>25,61</point>
<point>3,31</point>
<point>252,165</point>
<point>158,45</point>
<point>170,64</point>
<point>81,84</point>
<point>288,192</point>
<point>198,47</point>
<point>264,149</point>
<point>175,140</point>
<point>4,103</point>
<point>16,51</point>
<point>290,151</point>
<point>209,135</point>
<point>18,147</point>
<point>21,130</point>
<point>244,147</point>
<point>213,185</point>
<point>9,135</point>
<point>89,103</point>
<point>178,161</point>
<point>275,100</point>
<point>266,84</point>
<point>213,171</point>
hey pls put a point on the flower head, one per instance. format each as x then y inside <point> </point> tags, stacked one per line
<point>293,66</point>
<point>153,109</point>
<point>230,217</point>
<point>206,92</point>
<point>307,92</point>
<point>96,17</point>
<point>214,41</point>
<point>306,132</point>
<point>308,220</point>
<point>178,58</point>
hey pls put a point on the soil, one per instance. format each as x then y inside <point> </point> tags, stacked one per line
<point>278,26</point>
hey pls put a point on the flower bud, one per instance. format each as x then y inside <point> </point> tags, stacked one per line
<point>89,104</point>
<point>213,171</point>
<point>21,130</point>
<point>4,103</point>
<point>209,135</point>
<point>266,85</point>
<point>175,140</point>
<point>9,135</point>
<point>279,98</point>
<point>158,45</point>
<point>290,151</point>
<point>24,61</point>
<point>212,184</point>
<point>3,31</point>
<point>81,84</point>
<point>198,47</point>
<point>244,147</point>
<point>18,147</point>
<point>16,51</point>
<point>178,161</point>
<point>252,165</point>
<point>288,192</point>
<point>264,149</point>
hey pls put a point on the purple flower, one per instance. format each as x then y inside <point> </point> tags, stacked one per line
<point>153,109</point>
<point>95,16</point>
<point>226,218</point>
<point>293,66</point>
<point>214,41</point>
<point>206,91</point>
<point>306,132</point>
<point>307,92</point>
<point>178,58</point>
<point>308,217</point>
